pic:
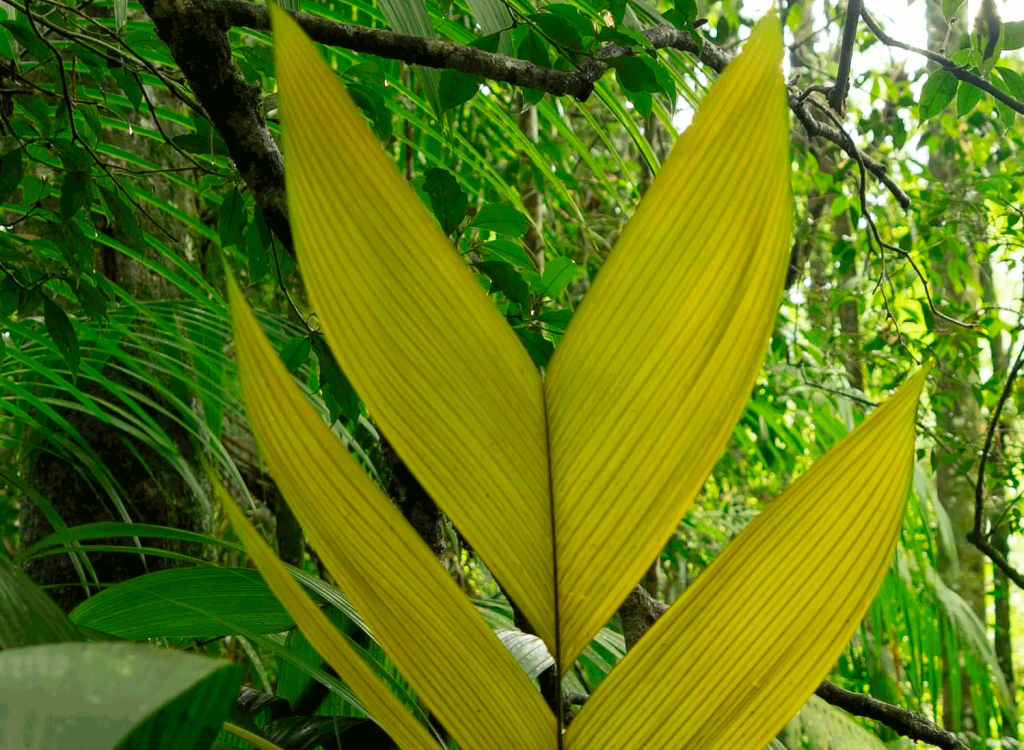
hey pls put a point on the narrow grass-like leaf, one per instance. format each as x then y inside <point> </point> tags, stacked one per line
<point>417,613</point>
<point>734,659</point>
<point>437,366</point>
<point>659,361</point>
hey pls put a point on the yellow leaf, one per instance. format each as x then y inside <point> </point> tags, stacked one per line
<point>376,697</point>
<point>419,616</point>
<point>659,361</point>
<point>437,366</point>
<point>734,659</point>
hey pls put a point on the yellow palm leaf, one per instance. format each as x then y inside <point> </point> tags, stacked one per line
<point>734,659</point>
<point>658,363</point>
<point>376,697</point>
<point>438,367</point>
<point>417,613</point>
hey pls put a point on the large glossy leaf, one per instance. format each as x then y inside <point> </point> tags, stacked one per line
<point>437,366</point>
<point>413,608</point>
<point>82,696</point>
<point>658,363</point>
<point>744,647</point>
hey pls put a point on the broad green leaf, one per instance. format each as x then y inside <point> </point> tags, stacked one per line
<point>60,328</point>
<point>27,615</point>
<point>11,171</point>
<point>558,274</point>
<point>414,609</point>
<point>658,363</point>
<point>82,696</point>
<point>938,91</point>
<point>447,198</point>
<point>199,602</point>
<point>296,352</point>
<point>744,647</point>
<point>1013,35</point>
<point>331,644</point>
<point>967,97</point>
<point>73,192</point>
<point>500,218</point>
<point>435,363</point>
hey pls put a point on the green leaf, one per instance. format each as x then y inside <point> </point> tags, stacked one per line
<point>531,46</point>
<point>82,696</point>
<point>296,352</point>
<point>338,394</point>
<point>256,252</point>
<point>122,213</point>
<point>11,171</point>
<point>500,218</point>
<point>233,219</point>
<point>967,98</point>
<point>636,74</point>
<point>456,88</point>
<point>59,326</point>
<point>1014,82</point>
<point>582,26</point>
<point>558,274</point>
<point>937,92</point>
<point>209,144</point>
<point>1014,35</point>
<point>950,7</point>
<point>73,193</point>
<point>27,615</point>
<point>508,252</point>
<point>200,602</point>
<point>448,200</point>
<point>559,31</point>
<point>505,279</point>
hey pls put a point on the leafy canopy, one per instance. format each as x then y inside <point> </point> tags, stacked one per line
<point>567,484</point>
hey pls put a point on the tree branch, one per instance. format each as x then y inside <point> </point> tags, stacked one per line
<point>837,97</point>
<point>900,720</point>
<point>958,71</point>
<point>976,535</point>
<point>195,31</point>
<point>578,83</point>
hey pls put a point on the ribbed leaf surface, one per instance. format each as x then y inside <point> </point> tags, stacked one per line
<point>734,659</point>
<point>645,389</point>
<point>437,366</point>
<point>374,695</point>
<point>417,613</point>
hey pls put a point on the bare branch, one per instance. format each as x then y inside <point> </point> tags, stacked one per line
<point>958,71</point>
<point>837,97</point>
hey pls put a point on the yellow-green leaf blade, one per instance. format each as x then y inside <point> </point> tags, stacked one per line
<point>376,697</point>
<point>417,613</point>
<point>659,361</point>
<point>438,367</point>
<point>731,662</point>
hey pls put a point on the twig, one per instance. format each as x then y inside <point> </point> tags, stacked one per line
<point>976,535</point>
<point>958,71</point>
<point>837,97</point>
